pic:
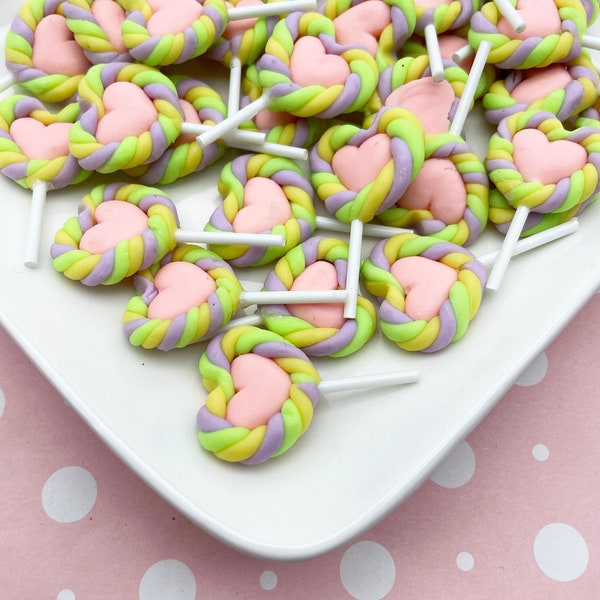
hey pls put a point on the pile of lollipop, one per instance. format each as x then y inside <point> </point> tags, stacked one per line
<point>360,105</point>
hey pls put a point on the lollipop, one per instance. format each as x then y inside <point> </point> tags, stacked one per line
<point>41,53</point>
<point>262,394</point>
<point>34,153</point>
<point>539,166</point>
<point>124,228</point>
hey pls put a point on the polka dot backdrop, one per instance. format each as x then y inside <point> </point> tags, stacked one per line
<point>511,512</point>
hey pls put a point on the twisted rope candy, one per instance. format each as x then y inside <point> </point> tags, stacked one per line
<point>172,47</point>
<point>20,49</point>
<point>457,310</point>
<point>507,53</point>
<point>88,20</point>
<point>128,256</point>
<point>474,177</point>
<point>185,155</point>
<point>195,323</point>
<point>407,146</point>
<point>132,151</point>
<point>286,174</point>
<point>445,17</point>
<point>314,100</point>
<point>253,445</point>
<point>389,41</point>
<point>317,340</point>
<point>565,101</point>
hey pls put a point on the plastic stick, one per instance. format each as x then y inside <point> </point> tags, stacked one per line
<point>591,42</point>
<point>533,241</point>
<point>433,51</point>
<point>235,136</point>
<point>235,85</point>
<point>510,13</point>
<point>466,100</point>
<point>237,13</point>
<point>353,268</point>
<point>462,53</point>
<point>34,229</point>
<point>375,380</point>
<point>227,237</point>
<point>294,297</point>
<point>369,229</point>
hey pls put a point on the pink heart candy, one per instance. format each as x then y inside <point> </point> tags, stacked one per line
<point>39,141</point>
<point>262,387</point>
<point>181,286</point>
<point>538,83</point>
<point>357,166</point>
<point>538,159</point>
<point>309,52</point>
<point>265,206</point>
<point>110,16</point>
<point>541,16</point>
<point>362,24</point>
<point>172,16</point>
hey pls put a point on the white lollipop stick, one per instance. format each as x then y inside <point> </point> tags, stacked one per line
<point>533,241</point>
<point>237,13</point>
<point>353,268</point>
<point>462,53</point>
<point>235,85</point>
<point>591,42</point>
<point>506,251</point>
<point>375,380</point>
<point>466,99</point>
<point>229,237</point>
<point>294,297</point>
<point>32,241</point>
<point>433,51</point>
<point>510,13</point>
<point>370,229</point>
<point>235,136</point>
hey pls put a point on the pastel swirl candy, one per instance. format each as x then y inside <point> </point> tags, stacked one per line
<point>564,100</point>
<point>474,177</point>
<point>456,311</point>
<point>324,101</point>
<point>173,45</point>
<point>254,445</point>
<point>57,172</point>
<point>407,148</point>
<point>89,26</point>
<point>195,323</point>
<point>445,16</point>
<point>23,51</point>
<point>131,151</point>
<point>185,155</point>
<point>286,174</point>
<point>513,53</point>
<point>569,192</point>
<point>128,256</point>
<point>312,339</point>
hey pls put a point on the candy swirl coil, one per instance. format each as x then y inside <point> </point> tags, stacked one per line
<point>407,146</point>
<point>199,321</point>
<point>133,150</point>
<point>294,185</point>
<point>171,48</point>
<point>283,429</point>
<point>128,256</point>
<point>474,177</point>
<point>570,192</point>
<point>314,100</point>
<point>315,340</point>
<point>57,172</point>
<point>457,310</point>
<point>445,16</point>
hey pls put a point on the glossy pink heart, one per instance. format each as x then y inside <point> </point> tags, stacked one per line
<point>39,141</point>
<point>424,192</point>
<point>357,166</point>
<point>129,112</point>
<point>541,16</point>
<point>320,275</point>
<point>362,24</point>
<point>426,284</point>
<point>180,286</point>
<point>115,221</point>
<point>538,159</point>
<point>265,206</point>
<point>262,387</point>
<point>311,65</point>
<point>172,16</point>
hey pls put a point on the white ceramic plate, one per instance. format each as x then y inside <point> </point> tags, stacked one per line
<point>364,453</point>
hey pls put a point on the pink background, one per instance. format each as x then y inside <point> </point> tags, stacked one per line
<point>512,512</point>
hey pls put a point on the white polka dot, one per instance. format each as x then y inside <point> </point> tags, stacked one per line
<point>465,561</point>
<point>540,452</point>
<point>65,595</point>
<point>268,580</point>
<point>2,402</point>
<point>367,571</point>
<point>168,579</point>
<point>69,494</point>
<point>534,373</point>
<point>561,552</point>
<point>457,469</point>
